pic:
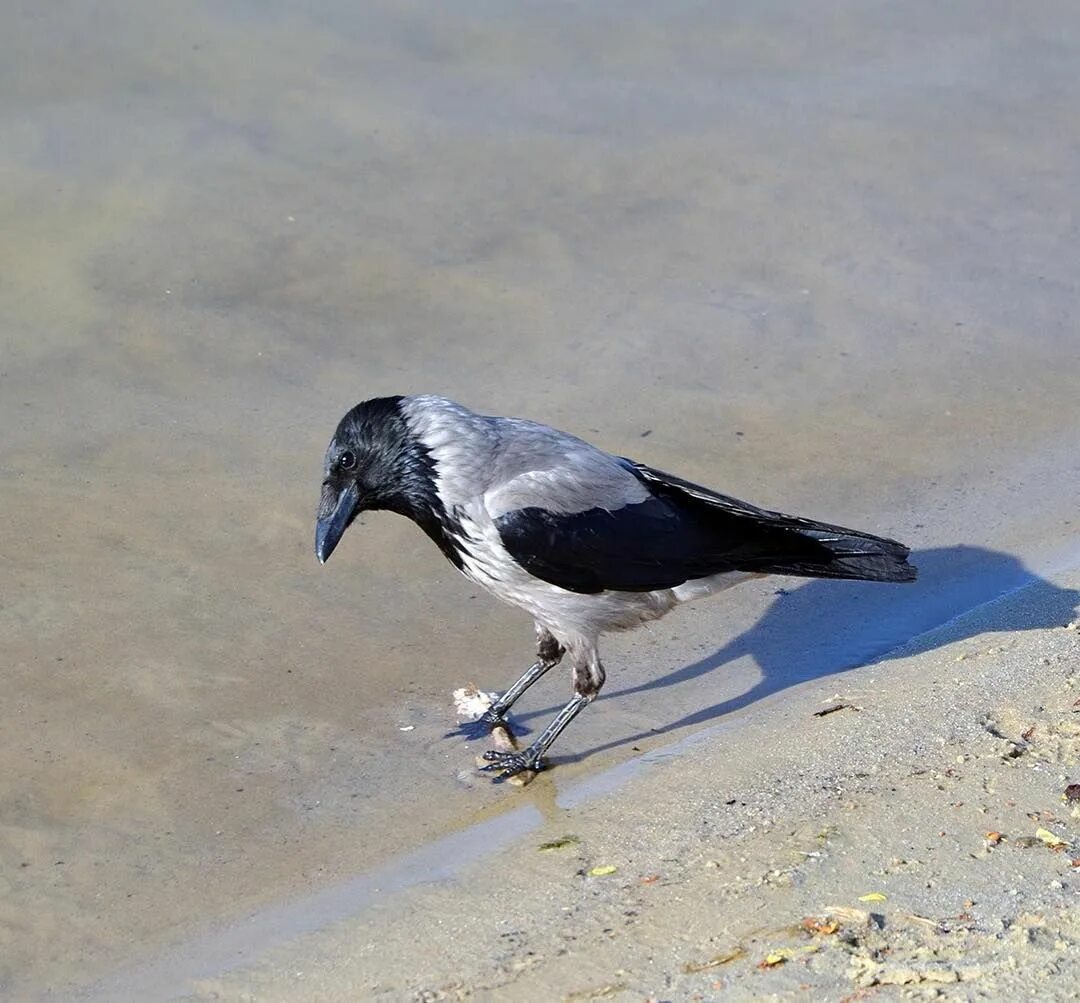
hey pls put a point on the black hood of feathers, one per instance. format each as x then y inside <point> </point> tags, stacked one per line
<point>393,471</point>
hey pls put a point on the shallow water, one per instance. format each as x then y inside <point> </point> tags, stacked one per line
<point>819,259</point>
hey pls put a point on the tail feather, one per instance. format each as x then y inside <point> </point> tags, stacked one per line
<point>855,556</point>
<point>794,545</point>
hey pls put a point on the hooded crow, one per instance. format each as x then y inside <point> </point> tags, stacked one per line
<point>584,541</point>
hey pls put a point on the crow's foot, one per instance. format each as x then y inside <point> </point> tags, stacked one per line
<point>479,728</point>
<point>493,719</point>
<point>512,763</point>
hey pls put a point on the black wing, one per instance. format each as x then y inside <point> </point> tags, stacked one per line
<point>682,532</point>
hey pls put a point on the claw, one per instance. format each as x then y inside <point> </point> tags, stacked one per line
<point>511,763</point>
<point>492,718</point>
<point>479,728</point>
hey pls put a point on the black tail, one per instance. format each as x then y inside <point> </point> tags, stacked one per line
<point>847,554</point>
<point>789,545</point>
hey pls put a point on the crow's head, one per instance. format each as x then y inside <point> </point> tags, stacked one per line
<point>372,462</point>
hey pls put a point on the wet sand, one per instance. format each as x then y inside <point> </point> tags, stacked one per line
<point>909,828</point>
<point>816,259</point>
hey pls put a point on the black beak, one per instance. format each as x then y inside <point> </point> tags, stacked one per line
<point>330,527</point>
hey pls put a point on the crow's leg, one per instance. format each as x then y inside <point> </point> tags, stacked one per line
<point>588,678</point>
<point>548,654</point>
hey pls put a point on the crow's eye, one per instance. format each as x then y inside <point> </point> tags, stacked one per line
<point>347,460</point>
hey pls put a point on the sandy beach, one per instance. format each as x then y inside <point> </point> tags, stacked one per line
<point>819,258</point>
<point>909,828</point>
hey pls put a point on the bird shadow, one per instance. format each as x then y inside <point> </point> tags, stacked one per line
<point>822,627</point>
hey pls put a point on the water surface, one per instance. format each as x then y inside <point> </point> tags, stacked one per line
<point>822,259</point>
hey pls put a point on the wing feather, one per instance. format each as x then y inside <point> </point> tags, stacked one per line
<point>682,531</point>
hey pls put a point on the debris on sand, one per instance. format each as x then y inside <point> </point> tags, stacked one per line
<point>603,992</point>
<point>1051,839</point>
<point>725,958</point>
<point>559,844</point>
<point>848,916</point>
<point>821,925</point>
<point>834,708</point>
<point>869,973</point>
<point>782,955</point>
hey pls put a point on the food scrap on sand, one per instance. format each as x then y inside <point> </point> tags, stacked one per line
<point>471,703</point>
